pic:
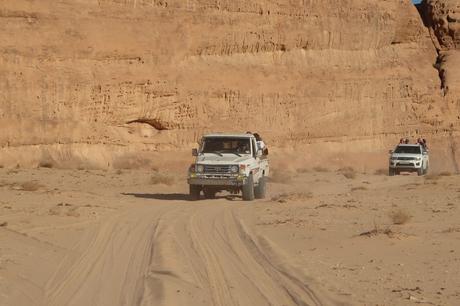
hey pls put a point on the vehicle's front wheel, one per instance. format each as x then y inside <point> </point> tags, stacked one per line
<point>420,171</point>
<point>248,189</point>
<point>195,191</point>
<point>425,171</point>
<point>391,171</point>
<point>260,190</point>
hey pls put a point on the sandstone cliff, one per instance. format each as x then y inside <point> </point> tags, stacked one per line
<point>94,80</point>
<point>443,18</point>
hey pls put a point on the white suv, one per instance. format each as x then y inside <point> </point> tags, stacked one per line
<point>231,162</point>
<point>409,158</point>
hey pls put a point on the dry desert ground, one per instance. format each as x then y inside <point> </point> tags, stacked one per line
<point>131,237</point>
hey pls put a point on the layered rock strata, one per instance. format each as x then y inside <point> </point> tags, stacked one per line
<point>96,79</point>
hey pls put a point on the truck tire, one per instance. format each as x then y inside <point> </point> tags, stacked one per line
<point>195,191</point>
<point>260,190</point>
<point>209,193</point>
<point>391,171</point>
<point>248,189</point>
<point>420,171</point>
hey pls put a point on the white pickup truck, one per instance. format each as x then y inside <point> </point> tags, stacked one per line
<point>230,162</point>
<point>409,158</point>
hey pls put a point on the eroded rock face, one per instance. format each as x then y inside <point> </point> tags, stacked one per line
<point>74,74</point>
<point>444,21</point>
<point>448,64</point>
<point>444,17</point>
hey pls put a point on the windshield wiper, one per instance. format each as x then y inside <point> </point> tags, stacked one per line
<point>216,152</point>
<point>235,153</point>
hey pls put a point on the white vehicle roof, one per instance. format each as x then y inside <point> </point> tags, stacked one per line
<point>242,135</point>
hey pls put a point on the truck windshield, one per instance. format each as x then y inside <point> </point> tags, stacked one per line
<point>226,145</point>
<point>408,150</point>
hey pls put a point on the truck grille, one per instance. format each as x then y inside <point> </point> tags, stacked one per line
<point>218,169</point>
<point>405,158</point>
<point>406,165</point>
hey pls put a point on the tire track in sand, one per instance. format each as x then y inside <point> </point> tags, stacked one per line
<point>179,254</point>
<point>208,257</point>
<point>111,269</point>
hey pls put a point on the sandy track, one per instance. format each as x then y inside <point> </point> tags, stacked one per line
<point>110,271</point>
<point>177,254</point>
<point>134,243</point>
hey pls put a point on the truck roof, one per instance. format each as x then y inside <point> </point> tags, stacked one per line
<point>230,135</point>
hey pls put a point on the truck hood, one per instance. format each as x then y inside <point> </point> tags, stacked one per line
<point>225,159</point>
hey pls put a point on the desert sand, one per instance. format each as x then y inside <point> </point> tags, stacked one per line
<point>130,237</point>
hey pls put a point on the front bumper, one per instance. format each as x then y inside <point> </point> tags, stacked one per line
<point>234,181</point>
<point>412,164</point>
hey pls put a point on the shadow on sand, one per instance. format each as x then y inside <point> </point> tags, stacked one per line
<point>160,196</point>
<point>175,196</point>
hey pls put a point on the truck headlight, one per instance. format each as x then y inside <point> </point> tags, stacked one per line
<point>418,158</point>
<point>199,168</point>
<point>234,169</point>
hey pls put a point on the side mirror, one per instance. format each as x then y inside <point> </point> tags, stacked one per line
<point>194,152</point>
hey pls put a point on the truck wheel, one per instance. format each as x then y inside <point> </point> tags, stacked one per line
<point>259,191</point>
<point>195,191</point>
<point>420,171</point>
<point>391,171</point>
<point>209,193</point>
<point>248,189</point>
